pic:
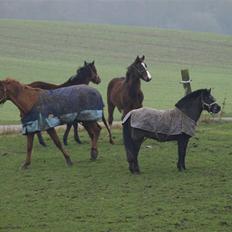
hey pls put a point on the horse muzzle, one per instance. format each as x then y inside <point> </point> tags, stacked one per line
<point>147,78</point>
<point>97,81</point>
<point>215,108</point>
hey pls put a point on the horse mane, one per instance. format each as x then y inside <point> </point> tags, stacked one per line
<point>14,82</point>
<point>128,73</point>
<point>79,77</point>
<point>9,80</point>
<point>189,97</point>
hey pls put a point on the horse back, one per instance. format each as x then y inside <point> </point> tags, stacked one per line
<point>115,84</point>
<point>43,85</point>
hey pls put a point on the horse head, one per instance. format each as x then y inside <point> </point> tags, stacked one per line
<point>193,103</point>
<point>140,68</point>
<point>209,102</point>
<point>3,92</point>
<point>93,72</point>
<point>6,87</point>
<point>85,74</point>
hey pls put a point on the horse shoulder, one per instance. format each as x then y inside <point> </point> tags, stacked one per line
<point>115,88</point>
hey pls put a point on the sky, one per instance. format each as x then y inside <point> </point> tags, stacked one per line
<point>195,15</point>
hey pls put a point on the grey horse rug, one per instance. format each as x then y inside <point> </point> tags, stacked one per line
<point>167,122</point>
<point>63,105</point>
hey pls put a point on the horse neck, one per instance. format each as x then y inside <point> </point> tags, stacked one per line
<point>192,109</point>
<point>23,97</point>
<point>133,83</point>
<point>77,80</point>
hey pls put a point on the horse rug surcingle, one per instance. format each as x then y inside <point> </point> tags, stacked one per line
<point>63,105</point>
<point>168,122</point>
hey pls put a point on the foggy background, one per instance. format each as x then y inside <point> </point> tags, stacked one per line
<point>196,15</point>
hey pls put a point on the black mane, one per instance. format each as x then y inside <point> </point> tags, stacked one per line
<point>79,77</point>
<point>191,104</point>
<point>129,72</point>
<point>190,97</point>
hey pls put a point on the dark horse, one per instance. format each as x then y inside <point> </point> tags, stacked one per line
<point>84,75</point>
<point>43,110</point>
<point>180,125</point>
<point>125,92</point>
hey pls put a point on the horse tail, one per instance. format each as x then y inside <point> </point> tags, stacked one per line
<point>127,139</point>
<point>108,129</point>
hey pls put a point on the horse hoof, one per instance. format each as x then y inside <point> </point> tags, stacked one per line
<point>65,142</point>
<point>69,162</point>
<point>136,172</point>
<point>94,154</point>
<point>43,144</point>
<point>79,141</point>
<point>25,166</point>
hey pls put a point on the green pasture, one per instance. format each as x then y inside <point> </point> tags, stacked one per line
<point>102,196</point>
<point>52,51</point>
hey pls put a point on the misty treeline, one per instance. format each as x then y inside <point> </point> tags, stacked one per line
<point>196,15</point>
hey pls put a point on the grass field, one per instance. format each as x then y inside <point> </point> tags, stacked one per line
<point>102,196</point>
<point>52,51</point>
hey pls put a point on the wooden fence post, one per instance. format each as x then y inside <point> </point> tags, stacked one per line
<point>186,81</point>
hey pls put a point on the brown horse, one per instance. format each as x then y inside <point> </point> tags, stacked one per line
<point>26,99</point>
<point>84,75</point>
<point>125,92</point>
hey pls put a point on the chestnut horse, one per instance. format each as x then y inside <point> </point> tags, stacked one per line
<point>84,75</point>
<point>125,92</point>
<point>26,97</point>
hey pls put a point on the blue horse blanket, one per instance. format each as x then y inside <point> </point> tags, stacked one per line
<point>63,105</point>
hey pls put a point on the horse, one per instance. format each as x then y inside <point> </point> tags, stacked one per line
<point>125,92</point>
<point>84,75</point>
<point>46,109</point>
<point>176,124</point>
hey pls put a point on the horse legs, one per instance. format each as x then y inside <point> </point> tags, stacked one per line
<point>76,135</point>
<point>132,148</point>
<point>93,130</point>
<point>52,133</point>
<point>110,112</point>
<point>65,136</point>
<point>182,145</point>
<point>40,138</point>
<point>30,139</point>
<point>135,164</point>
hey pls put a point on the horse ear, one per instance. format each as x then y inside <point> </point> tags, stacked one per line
<point>93,62</point>
<point>137,59</point>
<point>85,63</point>
<point>143,58</point>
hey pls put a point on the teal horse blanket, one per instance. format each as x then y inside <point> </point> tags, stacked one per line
<point>63,105</point>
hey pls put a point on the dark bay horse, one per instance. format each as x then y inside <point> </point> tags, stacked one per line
<point>125,92</point>
<point>43,110</point>
<point>177,124</point>
<point>84,75</point>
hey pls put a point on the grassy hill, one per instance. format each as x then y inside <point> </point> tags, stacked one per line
<point>52,51</point>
